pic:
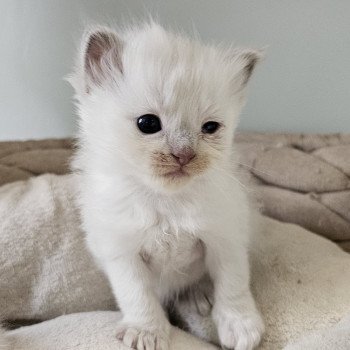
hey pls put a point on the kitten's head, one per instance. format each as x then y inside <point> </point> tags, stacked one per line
<point>157,106</point>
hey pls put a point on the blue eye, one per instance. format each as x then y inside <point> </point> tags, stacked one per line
<point>210,127</point>
<point>149,124</point>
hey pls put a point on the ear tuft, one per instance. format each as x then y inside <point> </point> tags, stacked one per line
<point>245,60</point>
<point>251,58</point>
<point>101,55</point>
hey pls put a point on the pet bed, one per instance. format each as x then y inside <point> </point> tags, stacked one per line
<point>300,280</point>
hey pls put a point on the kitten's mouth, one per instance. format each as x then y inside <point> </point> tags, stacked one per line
<point>178,173</point>
<point>166,168</point>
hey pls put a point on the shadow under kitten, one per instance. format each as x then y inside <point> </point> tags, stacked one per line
<point>191,311</point>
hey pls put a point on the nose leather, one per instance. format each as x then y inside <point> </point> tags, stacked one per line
<point>184,155</point>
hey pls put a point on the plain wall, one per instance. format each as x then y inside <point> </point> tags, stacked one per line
<point>302,86</point>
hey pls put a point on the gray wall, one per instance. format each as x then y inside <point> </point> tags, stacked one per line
<point>303,85</point>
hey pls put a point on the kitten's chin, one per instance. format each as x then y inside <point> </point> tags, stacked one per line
<point>171,182</point>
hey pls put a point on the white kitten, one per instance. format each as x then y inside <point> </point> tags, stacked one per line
<point>159,202</point>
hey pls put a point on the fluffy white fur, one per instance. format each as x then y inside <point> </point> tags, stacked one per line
<point>155,234</point>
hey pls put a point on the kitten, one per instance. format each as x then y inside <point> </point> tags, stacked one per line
<point>159,202</point>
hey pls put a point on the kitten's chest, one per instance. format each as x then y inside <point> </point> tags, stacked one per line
<point>175,259</point>
<point>166,233</point>
<point>172,248</point>
<point>175,232</point>
<point>178,249</point>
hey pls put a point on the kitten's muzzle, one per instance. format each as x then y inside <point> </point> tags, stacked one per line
<point>183,156</point>
<point>179,163</point>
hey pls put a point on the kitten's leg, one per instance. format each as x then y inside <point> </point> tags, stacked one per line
<point>239,324</point>
<point>145,325</point>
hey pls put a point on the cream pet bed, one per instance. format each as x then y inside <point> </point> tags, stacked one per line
<point>301,281</point>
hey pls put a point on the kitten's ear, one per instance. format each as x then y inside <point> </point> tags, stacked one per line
<point>244,62</point>
<point>102,55</point>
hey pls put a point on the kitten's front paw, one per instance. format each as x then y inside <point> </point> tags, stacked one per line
<point>143,339</point>
<point>239,331</point>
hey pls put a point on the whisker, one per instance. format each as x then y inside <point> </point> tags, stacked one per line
<point>224,172</point>
<point>252,168</point>
<point>164,165</point>
<point>219,188</point>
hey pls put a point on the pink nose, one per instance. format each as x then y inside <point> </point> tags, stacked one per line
<point>184,155</point>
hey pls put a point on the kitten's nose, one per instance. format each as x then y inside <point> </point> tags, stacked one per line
<point>184,155</point>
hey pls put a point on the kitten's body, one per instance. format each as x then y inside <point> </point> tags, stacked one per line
<point>163,210</point>
<point>157,227</point>
<point>167,231</point>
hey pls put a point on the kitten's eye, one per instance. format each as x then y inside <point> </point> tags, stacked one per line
<point>210,127</point>
<point>149,124</point>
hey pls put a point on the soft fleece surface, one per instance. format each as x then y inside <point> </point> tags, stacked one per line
<point>88,331</point>
<point>301,280</point>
